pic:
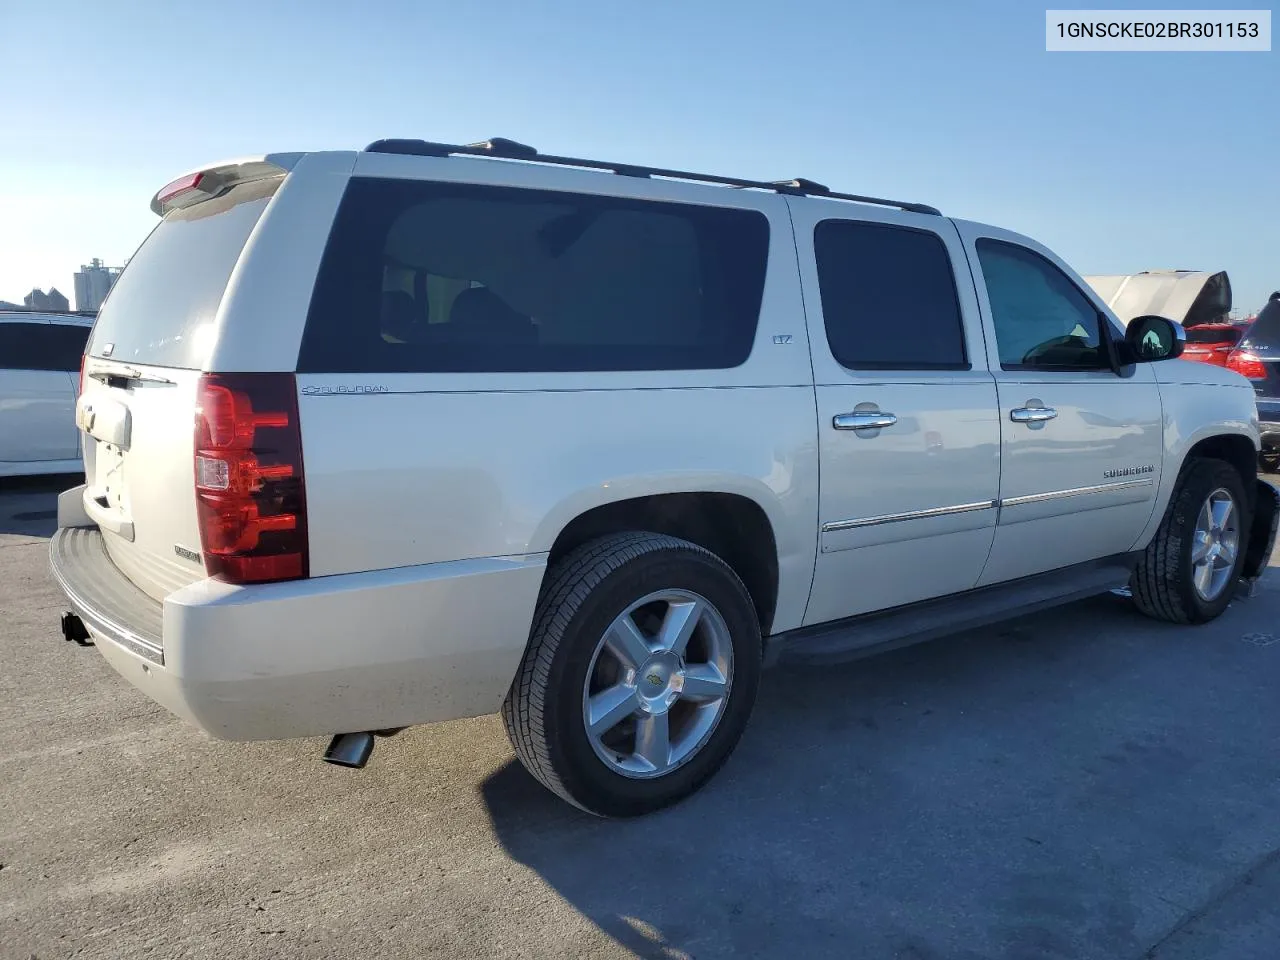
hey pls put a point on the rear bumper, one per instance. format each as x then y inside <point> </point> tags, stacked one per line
<point>354,652</point>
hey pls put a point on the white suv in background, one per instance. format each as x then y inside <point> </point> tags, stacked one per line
<point>39,379</point>
<point>426,431</point>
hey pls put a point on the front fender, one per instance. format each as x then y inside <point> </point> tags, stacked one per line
<point>1194,412</point>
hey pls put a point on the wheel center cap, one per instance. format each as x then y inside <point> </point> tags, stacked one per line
<point>659,681</point>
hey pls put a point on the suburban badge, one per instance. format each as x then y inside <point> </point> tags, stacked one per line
<point>1129,471</point>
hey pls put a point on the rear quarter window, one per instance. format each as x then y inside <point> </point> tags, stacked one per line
<point>161,310</point>
<point>434,278</point>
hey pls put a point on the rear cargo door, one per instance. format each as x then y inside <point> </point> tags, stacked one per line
<point>151,341</point>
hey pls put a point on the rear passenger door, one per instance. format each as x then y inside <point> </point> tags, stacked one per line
<point>39,363</point>
<point>908,437</point>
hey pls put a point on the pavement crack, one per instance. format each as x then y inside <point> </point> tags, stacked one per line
<point>1241,880</point>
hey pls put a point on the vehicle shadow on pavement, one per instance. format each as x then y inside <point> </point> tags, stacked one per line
<point>29,506</point>
<point>1050,787</point>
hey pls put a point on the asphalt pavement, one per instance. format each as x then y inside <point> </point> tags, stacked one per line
<point>1083,783</point>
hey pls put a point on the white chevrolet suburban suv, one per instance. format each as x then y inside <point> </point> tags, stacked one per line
<point>428,431</point>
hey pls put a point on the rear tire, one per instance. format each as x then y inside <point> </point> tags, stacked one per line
<point>683,696</point>
<point>1189,571</point>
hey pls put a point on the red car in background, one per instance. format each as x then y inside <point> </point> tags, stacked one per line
<point>1215,342</point>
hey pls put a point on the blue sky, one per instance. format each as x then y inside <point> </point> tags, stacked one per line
<point>1119,162</point>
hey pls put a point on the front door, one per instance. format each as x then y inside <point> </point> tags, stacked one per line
<point>1081,443</point>
<point>908,439</point>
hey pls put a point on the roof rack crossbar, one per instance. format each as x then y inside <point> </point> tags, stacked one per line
<point>502,148</point>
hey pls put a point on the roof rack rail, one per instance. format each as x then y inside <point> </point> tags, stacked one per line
<point>505,149</point>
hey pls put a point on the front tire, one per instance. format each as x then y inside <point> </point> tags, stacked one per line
<point>640,675</point>
<point>1189,571</point>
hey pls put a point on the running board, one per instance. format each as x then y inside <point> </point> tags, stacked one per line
<point>873,633</point>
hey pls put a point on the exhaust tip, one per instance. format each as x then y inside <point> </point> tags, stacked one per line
<point>349,750</point>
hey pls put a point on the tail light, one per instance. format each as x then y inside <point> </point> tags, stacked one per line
<point>250,494</point>
<point>80,389</point>
<point>1244,362</point>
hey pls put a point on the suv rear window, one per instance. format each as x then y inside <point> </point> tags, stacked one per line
<point>438,277</point>
<point>161,310</point>
<point>1214,333</point>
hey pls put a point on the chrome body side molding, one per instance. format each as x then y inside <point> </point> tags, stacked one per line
<point>947,511</point>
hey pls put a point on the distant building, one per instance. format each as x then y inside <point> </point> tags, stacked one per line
<point>53,301</point>
<point>93,283</point>
<point>6,305</point>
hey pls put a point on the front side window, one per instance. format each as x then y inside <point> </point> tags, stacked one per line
<point>1042,320</point>
<point>888,297</point>
<point>437,277</point>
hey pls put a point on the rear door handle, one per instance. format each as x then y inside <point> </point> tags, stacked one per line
<point>1032,414</point>
<point>863,420</point>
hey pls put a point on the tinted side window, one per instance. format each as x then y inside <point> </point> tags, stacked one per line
<point>888,297</point>
<point>42,346</point>
<point>66,346</point>
<point>1042,320</point>
<point>437,277</point>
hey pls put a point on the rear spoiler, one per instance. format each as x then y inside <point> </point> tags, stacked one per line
<point>209,181</point>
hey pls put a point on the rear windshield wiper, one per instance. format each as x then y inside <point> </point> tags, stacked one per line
<point>127,375</point>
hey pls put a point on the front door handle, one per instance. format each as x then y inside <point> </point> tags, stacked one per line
<point>1032,414</point>
<point>863,420</point>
